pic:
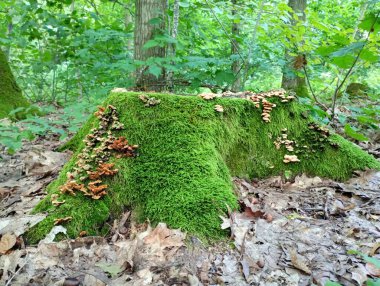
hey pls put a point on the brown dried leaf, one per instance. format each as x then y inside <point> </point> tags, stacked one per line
<point>164,237</point>
<point>58,221</point>
<point>7,242</point>
<point>83,233</point>
<point>299,262</point>
<point>299,62</point>
<point>372,269</point>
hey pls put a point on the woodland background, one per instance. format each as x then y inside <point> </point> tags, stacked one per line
<point>69,54</point>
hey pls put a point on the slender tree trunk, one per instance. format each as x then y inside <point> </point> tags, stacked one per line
<point>146,28</point>
<point>127,23</point>
<point>236,86</point>
<point>252,44</point>
<point>172,47</point>
<point>291,80</point>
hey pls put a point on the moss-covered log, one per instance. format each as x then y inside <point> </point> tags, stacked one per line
<point>189,152</point>
<point>10,94</point>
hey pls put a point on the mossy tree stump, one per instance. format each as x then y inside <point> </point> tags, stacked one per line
<point>187,156</point>
<point>10,93</point>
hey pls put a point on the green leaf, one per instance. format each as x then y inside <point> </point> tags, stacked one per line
<point>112,269</point>
<point>222,77</point>
<point>326,50</point>
<point>150,44</point>
<point>350,49</point>
<point>321,26</point>
<point>155,70</point>
<point>27,134</point>
<point>155,21</point>
<point>343,62</point>
<point>14,111</point>
<point>369,21</point>
<point>331,283</point>
<point>373,282</point>
<point>184,4</point>
<point>369,56</point>
<point>353,134</point>
<point>288,174</point>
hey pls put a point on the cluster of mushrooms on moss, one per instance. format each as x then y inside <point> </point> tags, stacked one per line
<point>93,161</point>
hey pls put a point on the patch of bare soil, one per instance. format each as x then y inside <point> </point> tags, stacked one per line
<point>286,233</point>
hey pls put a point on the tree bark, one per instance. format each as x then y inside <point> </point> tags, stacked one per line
<point>145,30</point>
<point>128,21</point>
<point>291,80</point>
<point>172,47</point>
<point>235,67</point>
<point>252,45</point>
<point>10,93</point>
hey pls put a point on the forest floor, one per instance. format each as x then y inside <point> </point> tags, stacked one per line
<point>286,233</point>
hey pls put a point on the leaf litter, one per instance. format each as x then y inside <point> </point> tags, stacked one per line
<point>285,233</point>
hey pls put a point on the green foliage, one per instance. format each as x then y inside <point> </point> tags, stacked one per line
<point>353,134</point>
<point>188,153</point>
<point>72,117</point>
<point>62,50</point>
<point>331,283</point>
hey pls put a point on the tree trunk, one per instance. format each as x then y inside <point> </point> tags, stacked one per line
<point>146,28</point>
<point>236,86</point>
<point>291,80</point>
<point>128,21</point>
<point>172,47</point>
<point>252,45</point>
<point>183,173</point>
<point>10,93</point>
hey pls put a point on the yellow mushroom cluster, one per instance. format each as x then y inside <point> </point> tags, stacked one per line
<point>283,140</point>
<point>261,99</point>
<point>290,159</point>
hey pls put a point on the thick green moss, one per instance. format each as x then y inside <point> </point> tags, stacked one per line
<point>10,94</point>
<point>188,153</point>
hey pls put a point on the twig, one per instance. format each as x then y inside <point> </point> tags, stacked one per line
<point>326,208</point>
<point>351,68</point>
<point>312,91</point>
<point>18,270</point>
<point>224,29</point>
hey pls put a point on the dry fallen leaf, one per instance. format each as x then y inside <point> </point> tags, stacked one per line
<point>7,242</point>
<point>18,225</point>
<point>62,220</point>
<point>226,222</point>
<point>372,269</point>
<point>299,262</point>
<point>83,233</point>
<point>268,217</point>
